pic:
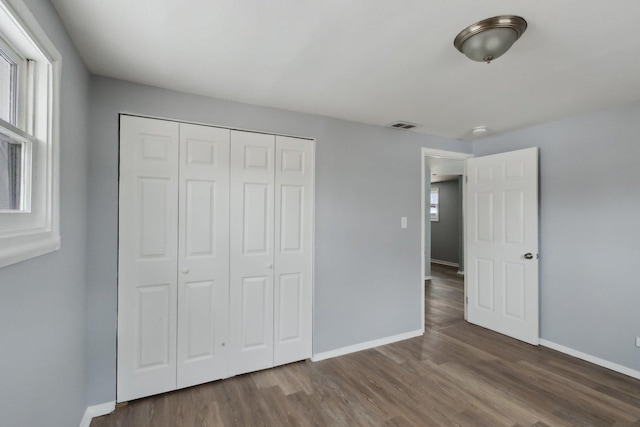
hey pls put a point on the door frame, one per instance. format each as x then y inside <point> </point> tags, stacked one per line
<point>442,154</point>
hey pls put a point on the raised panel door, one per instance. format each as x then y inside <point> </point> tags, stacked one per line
<point>502,243</point>
<point>293,279</point>
<point>147,257</point>
<point>203,256</point>
<point>251,252</point>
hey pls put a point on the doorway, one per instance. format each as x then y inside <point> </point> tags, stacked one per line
<point>441,163</point>
<point>501,285</point>
<point>445,212</point>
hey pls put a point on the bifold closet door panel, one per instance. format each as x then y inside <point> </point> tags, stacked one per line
<point>293,249</point>
<point>147,257</point>
<point>252,233</point>
<point>203,256</point>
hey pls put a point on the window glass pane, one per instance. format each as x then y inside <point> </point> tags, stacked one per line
<point>434,208</point>
<point>7,89</point>
<point>434,196</point>
<point>10,173</point>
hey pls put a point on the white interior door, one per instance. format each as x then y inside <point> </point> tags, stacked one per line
<point>147,258</point>
<point>293,250</point>
<point>502,243</point>
<point>203,257</point>
<point>252,245</point>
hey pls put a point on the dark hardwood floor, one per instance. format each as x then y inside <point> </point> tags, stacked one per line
<point>456,374</point>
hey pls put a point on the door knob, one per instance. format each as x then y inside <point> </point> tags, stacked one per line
<point>185,270</point>
<point>528,255</point>
<point>269,265</point>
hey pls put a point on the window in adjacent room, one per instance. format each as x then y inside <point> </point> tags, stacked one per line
<point>29,87</point>
<point>435,204</point>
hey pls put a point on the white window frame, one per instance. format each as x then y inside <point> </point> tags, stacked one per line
<point>34,230</point>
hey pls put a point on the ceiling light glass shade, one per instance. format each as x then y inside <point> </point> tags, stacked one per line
<point>489,45</point>
<point>489,39</point>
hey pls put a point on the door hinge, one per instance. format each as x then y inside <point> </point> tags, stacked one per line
<point>466,178</point>
<point>466,300</point>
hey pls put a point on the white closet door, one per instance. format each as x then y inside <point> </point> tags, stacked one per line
<point>293,250</point>
<point>252,231</point>
<point>203,270</point>
<point>147,258</point>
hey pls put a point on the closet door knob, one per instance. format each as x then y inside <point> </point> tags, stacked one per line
<point>269,265</point>
<point>185,270</point>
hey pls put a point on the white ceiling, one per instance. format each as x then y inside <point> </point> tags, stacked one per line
<point>370,61</point>
<point>444,169</point>
<point>442,178</point>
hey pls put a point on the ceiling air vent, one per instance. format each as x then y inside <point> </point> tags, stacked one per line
<point>402,125</point>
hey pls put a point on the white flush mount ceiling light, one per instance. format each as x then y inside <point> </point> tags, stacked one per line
<point>489,39</point>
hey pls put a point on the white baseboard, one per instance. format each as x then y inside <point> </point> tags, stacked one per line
<point>447,263</point>
<point>427,277</point>
<point>365,345</point>
<point>461,272</point>
<point>593,359</point>
<point>97,411</point>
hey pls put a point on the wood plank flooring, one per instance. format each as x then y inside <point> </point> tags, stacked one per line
<point>456,374</point>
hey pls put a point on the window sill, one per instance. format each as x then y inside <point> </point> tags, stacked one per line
<point>35,246</point>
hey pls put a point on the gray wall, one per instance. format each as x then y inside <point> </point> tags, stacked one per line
<point>367,269</point>
<point>589,229</point>
<point>445,233</point>
<point>42,300</point>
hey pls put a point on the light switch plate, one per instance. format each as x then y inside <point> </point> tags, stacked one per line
<point>403,222</point>
<point>637,341</point>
